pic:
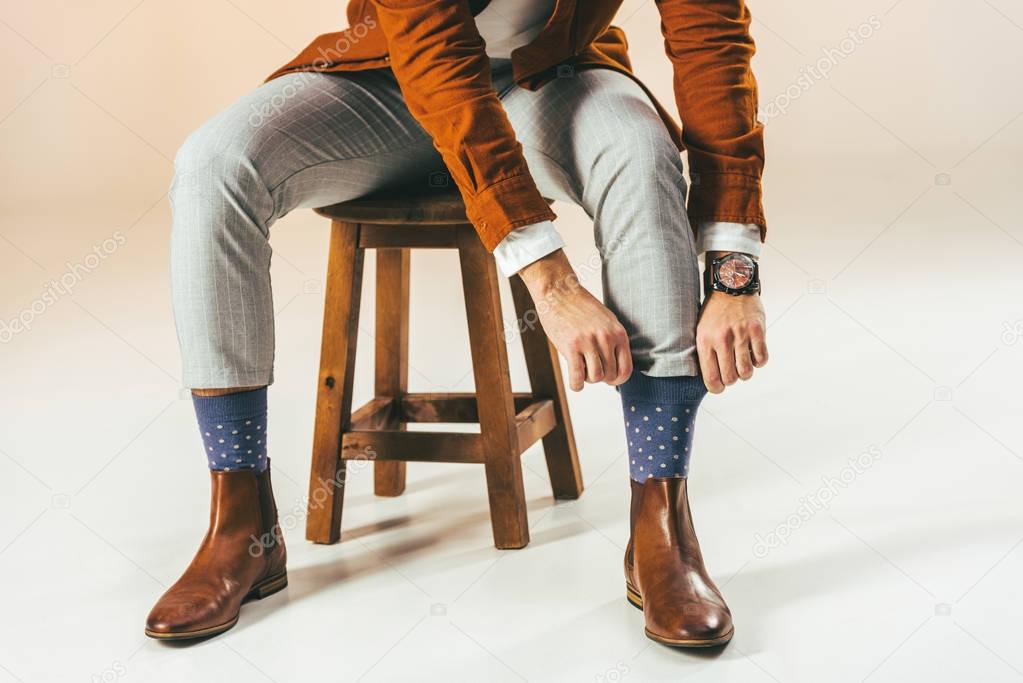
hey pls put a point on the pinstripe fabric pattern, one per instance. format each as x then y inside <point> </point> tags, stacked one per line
<point>306,140</point>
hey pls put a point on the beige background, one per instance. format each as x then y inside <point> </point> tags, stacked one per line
<point>892,278</point>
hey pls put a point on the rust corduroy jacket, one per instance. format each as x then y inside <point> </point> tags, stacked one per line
<point>440,62</point>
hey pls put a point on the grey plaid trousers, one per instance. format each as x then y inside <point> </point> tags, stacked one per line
<point>308,139</point>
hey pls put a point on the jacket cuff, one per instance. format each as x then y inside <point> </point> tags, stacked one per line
<point>727,197</point>
<point>506,205</point>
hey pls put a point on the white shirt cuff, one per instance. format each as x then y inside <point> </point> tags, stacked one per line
<point>522,246</point>
<point>723,236</point>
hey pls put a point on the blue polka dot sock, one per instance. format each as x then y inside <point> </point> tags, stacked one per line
<point>233,430</point>
<point>660,413</point>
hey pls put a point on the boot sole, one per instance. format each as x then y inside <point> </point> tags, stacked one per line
<point>263,589</point>
<point>636,600</point>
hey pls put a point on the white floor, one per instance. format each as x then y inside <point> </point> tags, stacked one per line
<point>892,284</point>
<point>905,566</point>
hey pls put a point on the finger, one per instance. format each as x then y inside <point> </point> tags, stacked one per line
<point>609,361</point>
<point>759,345</point>
<point>743,361</point>
<point>624,357</point>
<point>576,371</point>
<point>594,368</point>
<point>726,362</point>
<point>711,372</point>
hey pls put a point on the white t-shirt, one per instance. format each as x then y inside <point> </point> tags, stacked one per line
<point>508,24</point>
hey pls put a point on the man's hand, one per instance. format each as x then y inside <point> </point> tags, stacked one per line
<point>731,339</point>
<point>581,328</point>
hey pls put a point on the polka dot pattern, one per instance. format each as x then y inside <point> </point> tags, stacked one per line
<point>660,439</point>
<point>228,448</point>
<point>233,430</point>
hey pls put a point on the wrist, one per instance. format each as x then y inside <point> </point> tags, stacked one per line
<point>547,272</point>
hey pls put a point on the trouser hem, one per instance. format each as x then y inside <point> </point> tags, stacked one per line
<point>227,380</point>
<point>671,367</point>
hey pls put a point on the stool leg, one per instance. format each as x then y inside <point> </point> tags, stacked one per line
<point>545,380</point>
<point>493,392</point>
<point>334,396</point>
<point>391,355</point>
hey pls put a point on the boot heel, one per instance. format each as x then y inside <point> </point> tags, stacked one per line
<point>269,586</point>
<point>633,596</point>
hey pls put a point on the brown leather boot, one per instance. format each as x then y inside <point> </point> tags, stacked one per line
<point>664,572</point>
<point>242,557</point>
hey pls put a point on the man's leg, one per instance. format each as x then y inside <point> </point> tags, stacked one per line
<point>302,140</point>
<point>595,139</point>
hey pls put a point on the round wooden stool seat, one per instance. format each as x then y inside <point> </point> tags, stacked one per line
<point>400,208</point>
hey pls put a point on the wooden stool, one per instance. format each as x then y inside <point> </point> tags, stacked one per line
<point>509,422</point>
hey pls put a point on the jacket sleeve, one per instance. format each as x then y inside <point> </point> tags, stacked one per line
<point>441,65</point>
<point>710,48</point>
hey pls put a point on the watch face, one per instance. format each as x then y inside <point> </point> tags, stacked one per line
<point>735,272</point>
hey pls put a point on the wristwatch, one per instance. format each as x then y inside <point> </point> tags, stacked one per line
<point>734,274</point>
